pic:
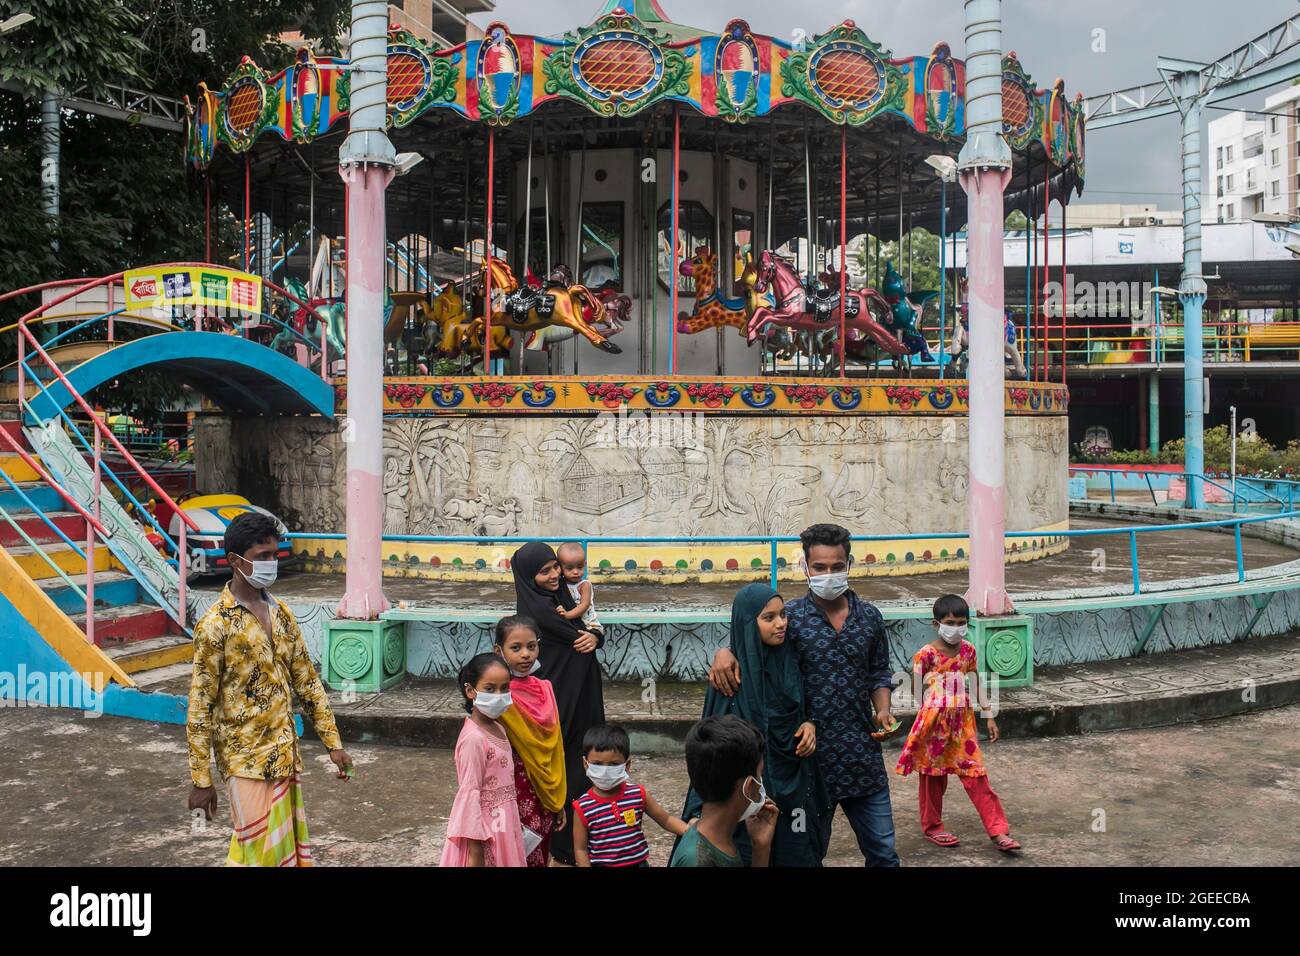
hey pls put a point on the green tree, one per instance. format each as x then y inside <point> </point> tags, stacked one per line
<point>125,196</point>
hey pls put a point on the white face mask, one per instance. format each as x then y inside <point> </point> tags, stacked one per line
<point>754,805</point>
<point>828,587</point>
<point>952,633</point>
<point>606,777</point>
<point>263,574</point>
<point>537,665</point>
<point>492,705</point>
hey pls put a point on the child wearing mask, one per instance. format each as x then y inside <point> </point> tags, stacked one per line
<point>484,827</point>
<point>607,818</point>
<point>943,739</point>
<point>532,723</point>
<point>724,759</point>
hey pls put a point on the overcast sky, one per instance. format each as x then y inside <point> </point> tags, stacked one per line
<point>1137,163</point>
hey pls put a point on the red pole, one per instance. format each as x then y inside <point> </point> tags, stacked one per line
<point>248,215</point>
<point>672,268</point>
<point>1046,367</point>
<point>844,241</point>
<point>207,218</point>
<point>487,258</point>
<point>1063,298</point>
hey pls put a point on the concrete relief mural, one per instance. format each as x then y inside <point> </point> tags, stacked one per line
<point>711,475</point>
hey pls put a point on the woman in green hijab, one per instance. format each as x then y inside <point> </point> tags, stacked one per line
<point>771,698</point>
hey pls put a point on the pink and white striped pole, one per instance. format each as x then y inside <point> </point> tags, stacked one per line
<point>366,162</point>
<point>985,165</point>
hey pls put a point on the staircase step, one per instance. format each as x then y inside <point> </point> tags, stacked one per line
<point>112,589</point>
<point>69,522</point>
<point>127,624</point>
<point>13,465</point>
<point>172,679</point>
<point>68,560</point>
<point>14,427</point>
<point>148,655</point>
<point>40,494</point>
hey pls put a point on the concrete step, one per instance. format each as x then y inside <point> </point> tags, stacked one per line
<point>38,493</point>
<point>171,678</point>
<point>160,652</point>
<point>112,589</point>
<point>13,465</point>
<point>69,522</point>
<point>127,624</point>
<point>38,569</point>
<point>9,423</point>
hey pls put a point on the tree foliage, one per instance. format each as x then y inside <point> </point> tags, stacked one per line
<point>125,197</point>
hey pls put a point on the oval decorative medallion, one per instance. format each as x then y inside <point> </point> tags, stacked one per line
<point>1017,108</point>
<point>617,65</point>
<point>498,71</point>
<point>846,75</point>
<point>736,67</point>
<point>408,77</point>
<point>244,105</point>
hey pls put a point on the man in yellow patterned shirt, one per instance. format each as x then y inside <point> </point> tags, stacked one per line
<point>249,658</point>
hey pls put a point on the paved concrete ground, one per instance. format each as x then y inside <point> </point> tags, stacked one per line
<point>109,791</point>
<point>1131,693</point>
<point>1165,556</point>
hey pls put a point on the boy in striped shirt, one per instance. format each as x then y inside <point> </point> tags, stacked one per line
<point>607,818</point>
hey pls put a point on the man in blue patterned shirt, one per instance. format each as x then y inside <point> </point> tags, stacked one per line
<point>844,659</point>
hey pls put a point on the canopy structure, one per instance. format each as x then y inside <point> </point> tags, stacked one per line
<point>620,72</point>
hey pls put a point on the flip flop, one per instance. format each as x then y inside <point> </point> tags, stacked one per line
<point>1005,843</point>
<point>942,838</point>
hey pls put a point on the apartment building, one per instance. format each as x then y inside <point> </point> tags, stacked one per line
<point>1254,162</point>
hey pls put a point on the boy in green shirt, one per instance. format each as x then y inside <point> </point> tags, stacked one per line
<point>724,759</point>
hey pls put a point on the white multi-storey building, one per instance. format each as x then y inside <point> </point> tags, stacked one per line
<point>1235,184</point>
<point>1254,162</point>
<point>1282,154</point>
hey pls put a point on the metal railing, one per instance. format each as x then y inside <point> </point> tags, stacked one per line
<point>773,542</point>
<point>1286,504</point>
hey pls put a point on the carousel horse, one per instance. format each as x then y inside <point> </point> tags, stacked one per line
<point>618,312</point>
<point>448,324</point>
<point>905,307</point>
<point>800,311</point>
<point>307,322</point>
<point>527,308</point>
<point>961,342</point>
<point>712,309</point>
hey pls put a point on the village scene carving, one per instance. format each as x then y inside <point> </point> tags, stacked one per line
<point>678,475</point>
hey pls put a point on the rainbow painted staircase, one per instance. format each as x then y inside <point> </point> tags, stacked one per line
<point>132,639</point>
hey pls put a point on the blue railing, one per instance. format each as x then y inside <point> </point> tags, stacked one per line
<point>1287,504</point>
<point>141,510</point>
<point>774,541</point>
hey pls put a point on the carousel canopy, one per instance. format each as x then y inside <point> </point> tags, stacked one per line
<point>615,83</point>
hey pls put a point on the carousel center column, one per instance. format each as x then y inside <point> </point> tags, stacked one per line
<point>985,170</point>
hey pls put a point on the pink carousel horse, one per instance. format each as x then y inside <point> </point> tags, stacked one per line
<point>798,311</point>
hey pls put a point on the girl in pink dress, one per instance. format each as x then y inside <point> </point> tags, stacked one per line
<point>484,828</point>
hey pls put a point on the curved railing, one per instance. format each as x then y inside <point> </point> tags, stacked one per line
<point>773,542</point>
<point>1255,484</point>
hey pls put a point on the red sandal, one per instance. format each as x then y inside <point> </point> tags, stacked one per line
<point>942,838</point>
<point>1005,843</point>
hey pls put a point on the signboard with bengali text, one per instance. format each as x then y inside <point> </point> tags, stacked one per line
<point>165,287</point>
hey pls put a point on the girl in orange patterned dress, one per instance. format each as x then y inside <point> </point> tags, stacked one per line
<point>943,739</point>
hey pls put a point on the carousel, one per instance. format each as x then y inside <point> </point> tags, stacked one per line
<point>645,278</point>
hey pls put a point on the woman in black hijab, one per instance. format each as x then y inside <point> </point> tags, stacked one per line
<point>568,661</point>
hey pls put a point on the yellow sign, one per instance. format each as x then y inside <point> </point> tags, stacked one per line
<point>162,287</point>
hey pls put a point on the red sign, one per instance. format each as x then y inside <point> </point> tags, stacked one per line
<point>146,288</point>
<point>243,293</point>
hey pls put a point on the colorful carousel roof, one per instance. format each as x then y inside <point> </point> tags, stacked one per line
<point>624,63</point>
